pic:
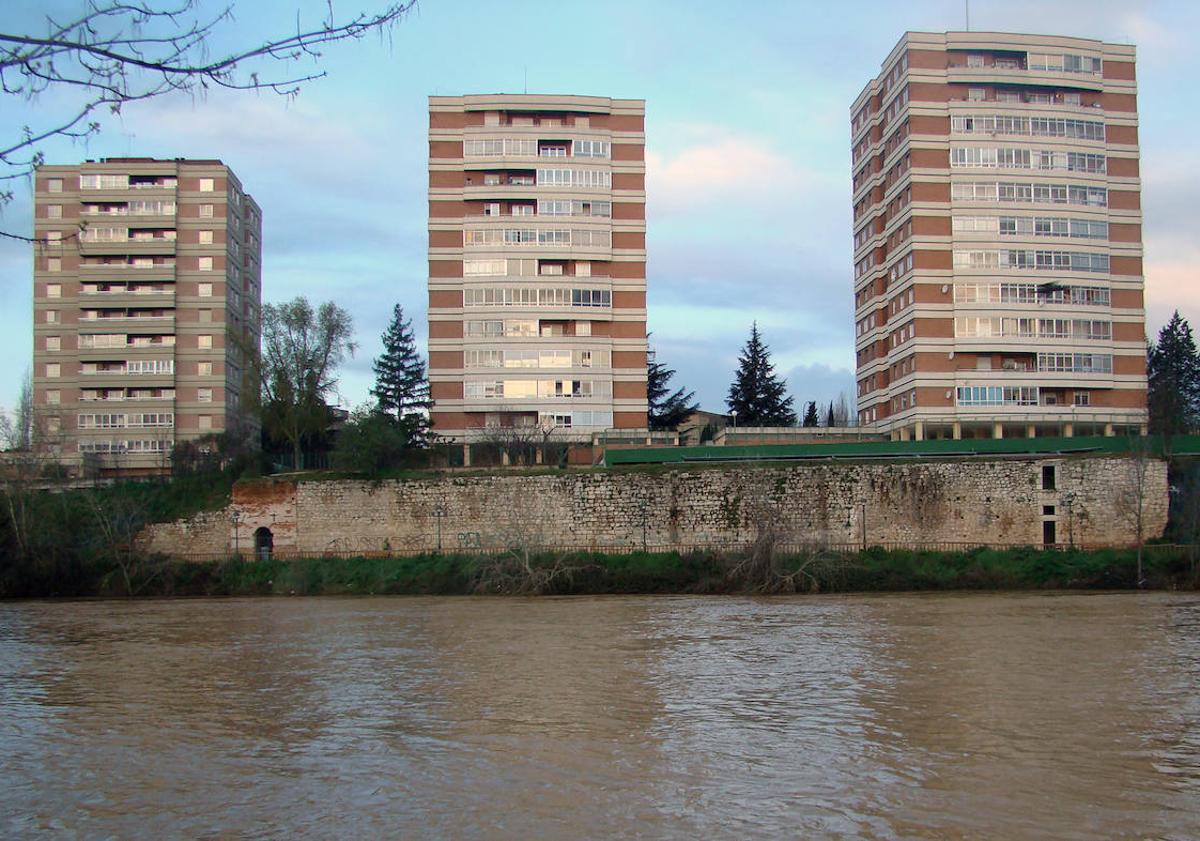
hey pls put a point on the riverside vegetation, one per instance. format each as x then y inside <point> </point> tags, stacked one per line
<point>82,542</point>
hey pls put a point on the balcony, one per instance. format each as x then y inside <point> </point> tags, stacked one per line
<point>1019,75</point>
<point>133,298</point>
<point>120,270</point>
<point>129,399</point>
<point>159,246</point>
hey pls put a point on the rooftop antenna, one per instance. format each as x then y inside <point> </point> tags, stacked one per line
<point>129,136</point>
<point>526,78</point>
<point>967,13</point>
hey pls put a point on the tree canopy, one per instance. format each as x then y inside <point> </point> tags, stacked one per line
<point>757,395</point>
<point>302,349</point>
<point>401,387</point>
<point>1173,374</point>
<point>810,415</point>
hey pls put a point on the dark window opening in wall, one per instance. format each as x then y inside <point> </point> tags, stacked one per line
<point>1047,510</point>
<point>1048,477</point>
<point>264,543</point>
<point>1048,533</point>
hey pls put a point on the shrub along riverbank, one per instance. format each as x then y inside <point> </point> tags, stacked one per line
<point>519,573</point>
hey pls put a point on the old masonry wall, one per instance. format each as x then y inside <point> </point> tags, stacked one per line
<point>1090,500</point>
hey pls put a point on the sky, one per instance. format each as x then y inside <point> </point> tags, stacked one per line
<point>747,158</point>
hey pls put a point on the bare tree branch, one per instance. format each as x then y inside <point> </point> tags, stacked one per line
<point>120,52</point>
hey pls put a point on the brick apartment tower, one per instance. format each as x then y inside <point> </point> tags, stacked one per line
<point>142,269</point>
<point>998,239</point>
<point>537,264</point>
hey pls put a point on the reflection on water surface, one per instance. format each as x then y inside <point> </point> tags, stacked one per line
<point>931,716</point>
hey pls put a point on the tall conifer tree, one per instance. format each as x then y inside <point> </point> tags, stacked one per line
<point>810,414</point>
<point>757,395</point>
<point>1173,371</point>
<point>401,387</point>
<point>666,410</point>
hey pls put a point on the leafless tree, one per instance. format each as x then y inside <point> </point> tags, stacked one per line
<point>119,51</point>
<point>25,472</point>
<point>763,567</point>
<point>1133,497</point>
<point>119,518</point>
<point>841,411</point>
<point>524,444</point>
<point>523,562</point>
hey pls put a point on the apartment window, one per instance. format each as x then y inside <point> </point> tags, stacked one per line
<point>205,264</point>
<point>1083,398</point>
<point>206,185</point>
<point>206,315</point>
<point>206,211</point>
<point>53,370</point>
<point>54,185</point>
<point>550,269</point>
<point>54,264</point>
<point>491,209</point>
<point>53,397</point>
<point>204,421</point>
<point>53,343</point>
<point>205,290</point>
<point>204,369</point>
<point>54,211</point>
<point>53,290</point>
<point>583,328</point>
<point>206,237</point>
<point>590,148</point>
<point>204,342</point>
<point>976,94</point>
<point>52,316</point>
<point>54,424</point>
<point>583,268</point>
<point>1072,99</point>
<point>522,210</point>
<point>204,395</point>
<point>974,60</point>
<point>484,268</point>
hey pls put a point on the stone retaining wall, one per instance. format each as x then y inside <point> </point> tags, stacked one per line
<point>977,501</point>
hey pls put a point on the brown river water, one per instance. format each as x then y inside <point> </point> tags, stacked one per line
<point>928,716</point>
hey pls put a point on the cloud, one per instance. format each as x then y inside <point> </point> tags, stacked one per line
<point>727,171</point>
<point>1171,284</point>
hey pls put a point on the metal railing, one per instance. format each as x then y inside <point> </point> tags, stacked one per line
<point>843,549</point>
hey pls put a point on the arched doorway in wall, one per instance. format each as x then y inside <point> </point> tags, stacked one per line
<point>264,543</point>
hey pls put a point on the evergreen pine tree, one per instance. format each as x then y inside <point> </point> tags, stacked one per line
<point>1173,371</point>
<point>401,387</point>
<point>666,410</point>
<point>829,415</point>
<point>757,395</point>
<point>810,414</point>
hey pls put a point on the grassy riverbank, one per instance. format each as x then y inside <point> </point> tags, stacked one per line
<point>875,570</point>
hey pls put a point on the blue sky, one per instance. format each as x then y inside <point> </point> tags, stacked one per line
<point>748,174</point>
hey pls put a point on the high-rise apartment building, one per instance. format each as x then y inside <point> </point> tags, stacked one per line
<point>998,238</point>
<point>146,272</point>
<point>537,264</point>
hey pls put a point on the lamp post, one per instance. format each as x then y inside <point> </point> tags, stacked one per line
<point>439,511</point>
<point>237,552</point>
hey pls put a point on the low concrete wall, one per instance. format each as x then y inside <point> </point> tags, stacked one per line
<point>996,502</point>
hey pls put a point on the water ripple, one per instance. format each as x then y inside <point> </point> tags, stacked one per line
<point>949,716</point>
